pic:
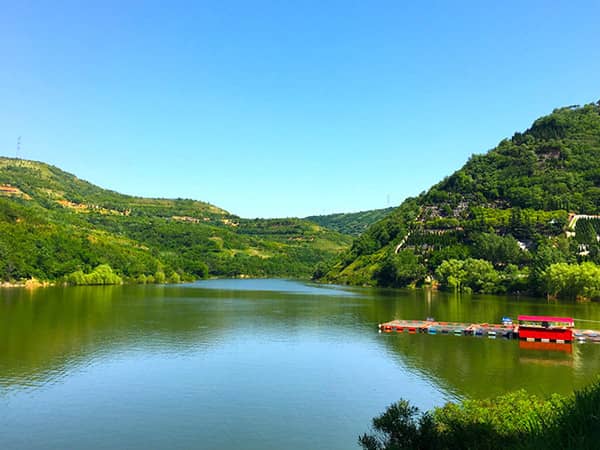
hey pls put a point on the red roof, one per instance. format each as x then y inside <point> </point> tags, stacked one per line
<point>546,319</point>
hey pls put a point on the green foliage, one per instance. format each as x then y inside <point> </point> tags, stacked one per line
<point>159,277</point>
<point>353,224</point>
<point>576,426</point>
<point>399,427</point>
<point>322,269</point>
<point>545,256</point>
<point>515,420</point>
<point>500,250</point>
<point>387,231</point>
<point>57,225</point>
<point>587,231</point>
<point>174,278</point>
<point>468,275</point>
<point>514,279</point>
<point>517,195</point>
<point>504,421</point>
<point>101,275</point>
<point>458,251</point>
<point>571,281</point>
<point>400,270</point>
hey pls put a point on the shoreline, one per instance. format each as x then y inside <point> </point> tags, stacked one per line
<point>32,283</point>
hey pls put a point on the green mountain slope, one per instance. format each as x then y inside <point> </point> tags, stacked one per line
<point>510,207</point>
<point>53,224</point>
<point>353,224</point>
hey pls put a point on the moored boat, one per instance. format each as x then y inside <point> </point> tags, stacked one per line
<point>546,328</point>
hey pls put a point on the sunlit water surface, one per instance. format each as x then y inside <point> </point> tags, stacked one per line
<point>252,364</point>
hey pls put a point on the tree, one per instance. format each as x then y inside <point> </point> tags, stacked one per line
<point>573,280</point>
<point>400,269</point>
<point>481,276</point>
<point>400,427</point>
<point>497,249</point>
<point>545,256</point>
<point>451,274</point>
<point>174,278</point>
<point>101,275</point>
<point>159,277</point>
<point>469,275</point>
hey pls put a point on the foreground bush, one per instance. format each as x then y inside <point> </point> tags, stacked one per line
<point>576,426</point>
<point>512,421</point>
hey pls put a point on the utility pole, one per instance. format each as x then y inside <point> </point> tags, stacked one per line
<point>18,146</point>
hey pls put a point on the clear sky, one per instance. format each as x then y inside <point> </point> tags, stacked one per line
<point>284,108</point>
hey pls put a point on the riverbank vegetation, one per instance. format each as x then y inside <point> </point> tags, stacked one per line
<point>515,420</point>
<point>101,275</point>
<point>500,222</point>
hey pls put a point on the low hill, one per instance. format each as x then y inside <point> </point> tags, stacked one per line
<point>510,208</point>
<point>53,224</point>
<point>353,224</point>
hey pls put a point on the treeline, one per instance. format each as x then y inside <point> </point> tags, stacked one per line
<point>104,275</point>
<point>137,249</point>
<point>511,421</point>
<point>561,280</point>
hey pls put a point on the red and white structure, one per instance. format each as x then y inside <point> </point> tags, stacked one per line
<point>546,329</point>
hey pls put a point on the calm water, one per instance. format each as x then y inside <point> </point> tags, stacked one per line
<point>252,364</point>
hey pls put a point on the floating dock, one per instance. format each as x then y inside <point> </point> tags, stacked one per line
<point>489,330</point>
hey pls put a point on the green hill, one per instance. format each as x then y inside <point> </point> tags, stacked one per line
<point>353,224</point>
<point>53,224</point>
<point>506,213</point>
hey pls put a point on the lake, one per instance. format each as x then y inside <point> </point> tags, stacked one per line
<point>252,364</point>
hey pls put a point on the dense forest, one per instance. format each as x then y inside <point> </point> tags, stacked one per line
<point>500,222</point>
<point>56,227</point>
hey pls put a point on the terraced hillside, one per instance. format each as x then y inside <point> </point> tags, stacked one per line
<point>53,224</point>
<point>506,212</point>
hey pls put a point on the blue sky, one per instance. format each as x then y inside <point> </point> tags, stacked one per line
<point>273,108</point>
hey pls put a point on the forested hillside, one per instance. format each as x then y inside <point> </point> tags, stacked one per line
<point>54,226</point>
<point>499,222</point>
<point>353,224</point>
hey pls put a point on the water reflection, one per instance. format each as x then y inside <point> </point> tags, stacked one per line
<point>46,333</point>
<point>140,361</point>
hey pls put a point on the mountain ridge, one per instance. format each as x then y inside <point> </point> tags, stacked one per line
<point>517,195</point>
<point>350,223</point>
<point>53,224</point>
